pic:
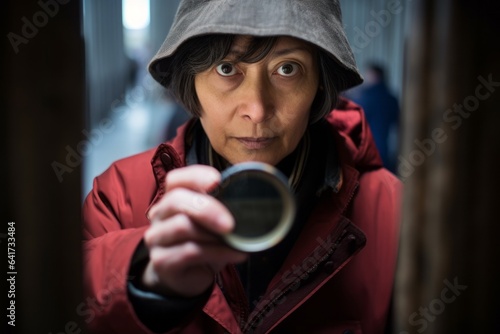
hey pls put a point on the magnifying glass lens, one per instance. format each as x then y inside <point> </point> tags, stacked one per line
<point>263,206</point>
<point>256,205</point>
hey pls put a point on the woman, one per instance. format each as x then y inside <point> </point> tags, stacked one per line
<point>261,79</point>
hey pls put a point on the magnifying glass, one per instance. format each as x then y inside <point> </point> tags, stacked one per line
<point>261,202</point>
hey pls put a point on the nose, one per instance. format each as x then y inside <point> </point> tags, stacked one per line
<point>256,103</point>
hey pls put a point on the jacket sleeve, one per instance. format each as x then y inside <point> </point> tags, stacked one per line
<point>159,313</point>
<point>376,208</point>
<point>110,239</point>
<point>114,222</point>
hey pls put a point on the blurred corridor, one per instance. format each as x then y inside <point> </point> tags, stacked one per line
<point>132,129</point>
<point>128,112</point>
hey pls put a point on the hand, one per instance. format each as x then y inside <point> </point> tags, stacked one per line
<point>185,248</point>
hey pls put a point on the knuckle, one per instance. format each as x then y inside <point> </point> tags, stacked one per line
<point>181,226</point>
<point>173,174</point>
<point>149,237</point>
<point>199,202</point>
<point>191,250</point>
<point>176,193</point>
<point>156,259</point>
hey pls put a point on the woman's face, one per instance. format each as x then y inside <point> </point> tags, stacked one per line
<point>259,111</point>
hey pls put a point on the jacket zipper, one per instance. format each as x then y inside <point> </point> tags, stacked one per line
<point>351,196</point>
<point>244,308</point>
<point>259,315</point>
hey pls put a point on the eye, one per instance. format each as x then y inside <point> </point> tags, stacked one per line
<point>288,69</point>
<point>226,69</point>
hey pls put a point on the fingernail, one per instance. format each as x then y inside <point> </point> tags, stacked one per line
<point>214,177</point>
<point>151,214</point>
<point>225,223</point>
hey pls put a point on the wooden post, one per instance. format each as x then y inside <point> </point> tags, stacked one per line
<point>43,103</point>
<point>448,273</point>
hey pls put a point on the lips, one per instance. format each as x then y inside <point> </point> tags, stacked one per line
<point>256,143</point>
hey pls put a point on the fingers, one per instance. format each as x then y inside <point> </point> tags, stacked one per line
<point>186,194</point>
<point>199,178</point>
<point>175,258</point>
<point>184,239</point>
<point>187,269</point>
<point>203,209</point>
<point>179,229</point>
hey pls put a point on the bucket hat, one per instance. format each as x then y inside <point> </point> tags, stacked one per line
<point>316,21</point>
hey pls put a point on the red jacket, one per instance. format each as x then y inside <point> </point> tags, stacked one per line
<point>338,278</point>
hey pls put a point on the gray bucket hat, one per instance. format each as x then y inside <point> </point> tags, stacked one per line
<point>316,21</point>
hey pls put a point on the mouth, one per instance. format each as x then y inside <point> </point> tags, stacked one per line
<point>256,143</point>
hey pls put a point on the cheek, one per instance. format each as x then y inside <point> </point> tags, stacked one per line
<point>297,119</point>
<point>298,128</point>
<point>294,125</point>
<point>215,127</point>
<point>299,110</point>
<point>205,93</point>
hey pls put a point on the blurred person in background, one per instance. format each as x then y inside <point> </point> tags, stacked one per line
<point>382,112</point>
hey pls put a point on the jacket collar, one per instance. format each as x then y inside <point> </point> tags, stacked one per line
<point>168,156</point>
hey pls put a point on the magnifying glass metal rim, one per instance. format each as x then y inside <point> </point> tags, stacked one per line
<point>280,182</point>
